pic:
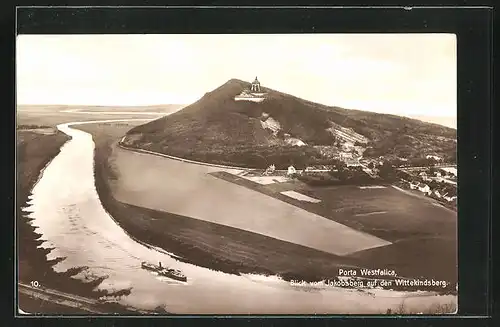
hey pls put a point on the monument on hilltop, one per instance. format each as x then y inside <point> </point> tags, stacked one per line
<point>254,94</point>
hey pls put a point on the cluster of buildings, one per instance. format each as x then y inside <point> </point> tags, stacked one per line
<point>272,170</point>
<point>424,188</point>
<point>438,192</point>
<point>439,177</point>
<point>350,159</point>
<point>434,157</point>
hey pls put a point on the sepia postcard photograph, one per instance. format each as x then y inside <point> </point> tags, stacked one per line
<point>226,174</point>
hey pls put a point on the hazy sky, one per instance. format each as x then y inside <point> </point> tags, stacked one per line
<point>392,73</point>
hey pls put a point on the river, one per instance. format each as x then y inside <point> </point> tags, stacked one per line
<point>67,212</point>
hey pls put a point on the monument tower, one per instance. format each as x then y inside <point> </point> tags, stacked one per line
<point>254,94</point>
<point>255,85</point>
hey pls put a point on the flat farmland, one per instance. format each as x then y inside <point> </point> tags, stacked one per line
<point>52,115</point>
<point>200,242</point>
<point>189,190</point>
<point>420,246</point>
<point>423,234</point>
<point>385,212</point>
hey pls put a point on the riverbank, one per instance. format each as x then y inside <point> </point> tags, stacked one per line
<point>35,151</point>
<point>207,244</point>
<point>211,245</point>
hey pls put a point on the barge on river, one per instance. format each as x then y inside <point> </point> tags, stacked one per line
<point>166,272</point>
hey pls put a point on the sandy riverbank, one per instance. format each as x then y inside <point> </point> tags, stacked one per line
<point>35,152</point>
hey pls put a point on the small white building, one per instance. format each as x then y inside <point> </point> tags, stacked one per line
<point>291,171</point>
<point>424,188</point>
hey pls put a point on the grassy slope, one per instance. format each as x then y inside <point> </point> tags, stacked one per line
<point>217,123</point>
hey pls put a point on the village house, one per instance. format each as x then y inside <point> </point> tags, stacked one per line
<point>448,172</point>
<point>424,188</point>
<point>291,171</point>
